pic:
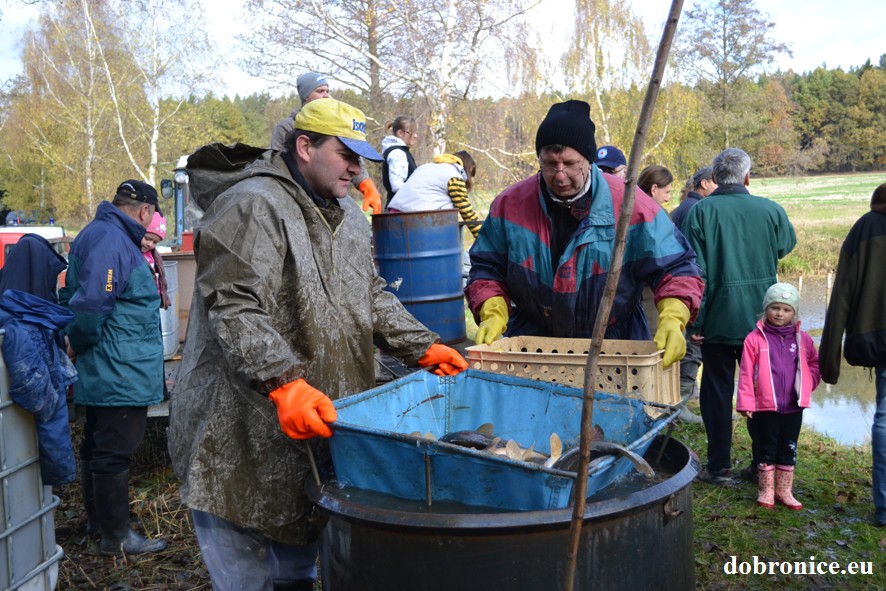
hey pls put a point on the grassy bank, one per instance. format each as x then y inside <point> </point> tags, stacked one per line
<point>833,482</point>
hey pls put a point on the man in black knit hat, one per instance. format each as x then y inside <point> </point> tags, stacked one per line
<point>541,259</point>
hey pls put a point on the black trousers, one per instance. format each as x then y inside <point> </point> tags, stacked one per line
<point>775,437</point>
<point>111,436</point>
<point>715,399</point>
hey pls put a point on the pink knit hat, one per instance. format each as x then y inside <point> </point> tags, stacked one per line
<point>158,226</point>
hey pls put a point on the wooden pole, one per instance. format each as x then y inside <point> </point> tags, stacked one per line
<point>602,320</point>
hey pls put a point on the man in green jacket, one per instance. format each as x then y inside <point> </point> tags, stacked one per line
<point>286,312</point>
<point>739,239</point>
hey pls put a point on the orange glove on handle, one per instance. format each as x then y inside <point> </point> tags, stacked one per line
<point>303,410</point>
<point>447,360</point>
<point>371,197</point>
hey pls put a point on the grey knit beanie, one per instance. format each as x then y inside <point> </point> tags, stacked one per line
<point>307,82</point>
<point>782,293</point>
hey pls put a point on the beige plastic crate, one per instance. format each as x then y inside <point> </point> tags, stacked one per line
<point>626,368</point>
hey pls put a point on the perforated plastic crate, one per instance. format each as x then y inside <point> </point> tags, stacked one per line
<point>628,368</point>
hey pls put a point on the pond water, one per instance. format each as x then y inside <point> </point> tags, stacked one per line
<point>844,411</point>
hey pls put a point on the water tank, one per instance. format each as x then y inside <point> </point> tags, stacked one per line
<point>28,553</point>
<point>169,317</point>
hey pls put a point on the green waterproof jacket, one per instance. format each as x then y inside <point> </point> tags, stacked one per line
<point>282,291</point>
<point>738,239</point>
<point>116,329</point>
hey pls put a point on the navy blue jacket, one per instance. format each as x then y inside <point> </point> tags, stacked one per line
<point>678,216</point>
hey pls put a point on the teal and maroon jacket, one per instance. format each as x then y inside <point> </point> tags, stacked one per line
<point>511,258</point>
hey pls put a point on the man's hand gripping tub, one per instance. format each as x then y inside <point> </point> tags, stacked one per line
<point>303,411</point>
<point>447,360</point>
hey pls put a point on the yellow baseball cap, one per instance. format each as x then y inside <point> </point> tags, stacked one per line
<point>331,117</point>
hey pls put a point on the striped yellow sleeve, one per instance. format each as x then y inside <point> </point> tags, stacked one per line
<point>459,195</point>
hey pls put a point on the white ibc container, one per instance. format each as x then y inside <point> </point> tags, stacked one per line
<point>169,316</point>
<point>28,553</point>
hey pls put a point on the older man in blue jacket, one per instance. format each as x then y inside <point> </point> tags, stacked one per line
<point>116,342</point>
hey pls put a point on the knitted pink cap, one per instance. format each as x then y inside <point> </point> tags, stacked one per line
<point>158,226</point>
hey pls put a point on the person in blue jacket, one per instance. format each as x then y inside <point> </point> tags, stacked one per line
<point>117,346</point>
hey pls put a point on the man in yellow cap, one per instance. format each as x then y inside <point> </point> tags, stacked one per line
<point>287,307</point>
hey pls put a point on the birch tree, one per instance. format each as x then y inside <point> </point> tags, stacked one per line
<point>436,52</point>
<point>608,51</point>
<point>171,58</point>
<point>63,108</point>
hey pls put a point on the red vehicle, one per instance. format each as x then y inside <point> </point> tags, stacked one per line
<point>60,241</point>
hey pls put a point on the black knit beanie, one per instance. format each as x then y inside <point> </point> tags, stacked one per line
<point>568,124</point>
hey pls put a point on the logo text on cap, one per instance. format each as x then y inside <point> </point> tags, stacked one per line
<point>359,126</point>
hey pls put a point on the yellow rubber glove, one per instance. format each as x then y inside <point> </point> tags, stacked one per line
<point>447,360</point>
<point>672,318</point>
<point>303,410</point>
<point>371,197</point>
<point>493,320</point>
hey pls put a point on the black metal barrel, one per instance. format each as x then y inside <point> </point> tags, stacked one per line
<point>639,540</point>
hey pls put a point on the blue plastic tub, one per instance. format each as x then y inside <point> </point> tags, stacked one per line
<point>372,446</point>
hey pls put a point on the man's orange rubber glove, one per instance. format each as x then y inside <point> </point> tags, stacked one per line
<point>448,361</point>
<point>303,410</point>
<point>371,197</point>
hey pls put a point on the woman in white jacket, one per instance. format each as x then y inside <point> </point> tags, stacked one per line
<point>398,160</point>
<point>441,184</point>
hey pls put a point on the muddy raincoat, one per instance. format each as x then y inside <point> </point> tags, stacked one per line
<point>282,291</point>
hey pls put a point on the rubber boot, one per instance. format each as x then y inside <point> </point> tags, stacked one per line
<point>784,485</point>
<point>766,486</point>
<point>92,528</point>
<point>112,505</point>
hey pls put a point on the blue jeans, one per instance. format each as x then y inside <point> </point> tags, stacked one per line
<point>878,447</point>
<point>240,559</point>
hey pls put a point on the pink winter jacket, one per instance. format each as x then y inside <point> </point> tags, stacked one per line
<point>756,391</point>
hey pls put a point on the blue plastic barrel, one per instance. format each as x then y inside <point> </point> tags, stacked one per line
<point>419,254</point>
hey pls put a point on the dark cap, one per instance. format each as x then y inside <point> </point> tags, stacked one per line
<point>568,124</point>
<point>139,191</point>
<point>610,157</point>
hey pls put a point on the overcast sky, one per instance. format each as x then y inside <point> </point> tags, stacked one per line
<point>820,32</point>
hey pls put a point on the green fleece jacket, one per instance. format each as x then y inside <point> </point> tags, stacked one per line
<point>739,239</point>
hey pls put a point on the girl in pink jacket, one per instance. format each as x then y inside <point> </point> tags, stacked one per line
<point>778,372</point>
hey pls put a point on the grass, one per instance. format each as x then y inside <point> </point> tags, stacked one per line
<point>834,484</point>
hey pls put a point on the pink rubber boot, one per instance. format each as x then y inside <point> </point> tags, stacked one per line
<point>766,485</point>
<point>784,484</point>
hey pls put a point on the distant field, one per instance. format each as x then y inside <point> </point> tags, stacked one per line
<point>822,209</point>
